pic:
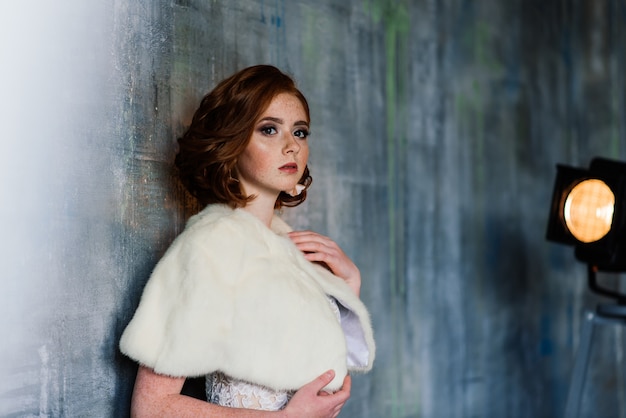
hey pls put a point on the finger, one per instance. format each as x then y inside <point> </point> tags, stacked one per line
<point>321,253</point>
<point>323,380</point>
<point>335,261</point>
<point>329,248</point>
<point>310,245</point>
<point>318,245</point>
<point>301,236</point>
<point>316,250</point>
<point>347,383</point>
<point>303,232</point>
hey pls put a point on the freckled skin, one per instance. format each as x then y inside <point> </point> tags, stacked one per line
<point>279,139</point>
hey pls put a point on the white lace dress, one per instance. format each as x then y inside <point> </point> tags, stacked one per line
<point>226,391</point>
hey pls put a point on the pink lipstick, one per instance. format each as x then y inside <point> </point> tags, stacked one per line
<point>289,168</point>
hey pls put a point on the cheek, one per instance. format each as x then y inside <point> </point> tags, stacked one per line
<point>304,158</point>
<point>247,165</point>
<point>304,152</point>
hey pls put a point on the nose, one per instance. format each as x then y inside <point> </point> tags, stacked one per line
<point>291,144</point>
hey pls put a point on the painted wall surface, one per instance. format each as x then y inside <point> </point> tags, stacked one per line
<point>437,125</point>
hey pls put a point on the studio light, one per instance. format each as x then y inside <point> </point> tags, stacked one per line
<point>588,211</point>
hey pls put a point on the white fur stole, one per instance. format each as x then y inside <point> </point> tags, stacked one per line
<point>234,296</point>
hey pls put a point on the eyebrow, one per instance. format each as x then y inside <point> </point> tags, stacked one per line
<point>281,122</point>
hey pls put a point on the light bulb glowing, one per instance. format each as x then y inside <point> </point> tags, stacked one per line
<point>588,210</point>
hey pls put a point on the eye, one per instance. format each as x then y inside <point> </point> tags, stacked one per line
<point>268,130</point>
<point>302,133</point>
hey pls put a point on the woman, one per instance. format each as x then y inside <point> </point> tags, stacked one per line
<point>271,316</point>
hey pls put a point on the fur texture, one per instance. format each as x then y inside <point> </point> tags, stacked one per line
<point>232,295</point>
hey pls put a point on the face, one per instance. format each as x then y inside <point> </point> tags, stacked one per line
<point>275,158</point>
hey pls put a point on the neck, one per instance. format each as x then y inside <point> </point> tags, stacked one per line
<point>262,208</point>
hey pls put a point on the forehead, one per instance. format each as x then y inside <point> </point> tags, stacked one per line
<point>286,104</point>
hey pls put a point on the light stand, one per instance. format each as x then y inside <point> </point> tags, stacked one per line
<point>605,314</point>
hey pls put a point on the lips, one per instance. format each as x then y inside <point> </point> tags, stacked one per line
<point>289,168</point>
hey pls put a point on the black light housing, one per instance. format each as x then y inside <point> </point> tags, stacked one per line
<point>604,249</point>
<point>588,211</point>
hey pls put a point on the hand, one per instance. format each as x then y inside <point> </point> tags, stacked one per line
<point>321,249</point>
<point>311,402</point>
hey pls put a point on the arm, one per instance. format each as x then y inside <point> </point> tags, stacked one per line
<point>158,395</point>
<point>321,249</point>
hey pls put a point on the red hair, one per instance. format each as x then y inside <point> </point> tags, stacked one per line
<point>221,129</point>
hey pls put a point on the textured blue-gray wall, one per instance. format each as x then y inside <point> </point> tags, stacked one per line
<point>436,128</point>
